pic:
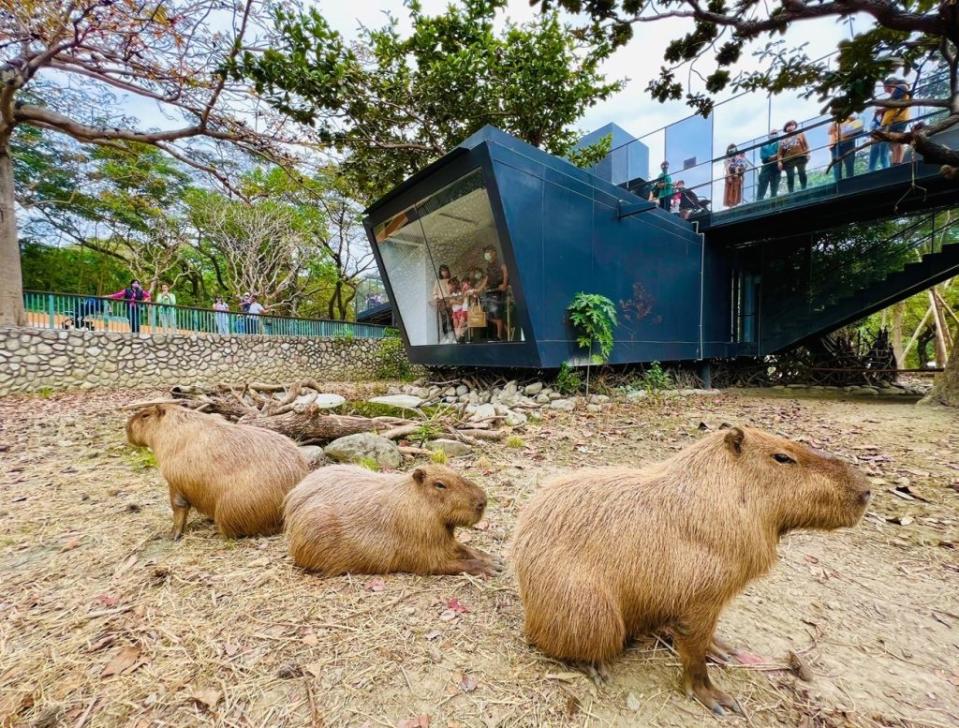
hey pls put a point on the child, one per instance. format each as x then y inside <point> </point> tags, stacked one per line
<point>460,305</point>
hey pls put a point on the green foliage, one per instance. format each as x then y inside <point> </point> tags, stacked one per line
<point>369,463</point>
<point>515,441</point>
<point>568,380</point>
<point>586,157</point>
<point>391,333</point>
<point>141,458</point>
<point>654,379</point>
<point>45,392</point>
<point>439,457</point>
<point>390,361</point>
<point>70,269</point>
<point>395,101</point>
<point>427,431</point>
<point>594,318</point>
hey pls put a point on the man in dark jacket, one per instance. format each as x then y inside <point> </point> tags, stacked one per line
<point>134,295</point>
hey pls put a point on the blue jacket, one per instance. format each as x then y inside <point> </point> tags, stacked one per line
<point>769,150</point>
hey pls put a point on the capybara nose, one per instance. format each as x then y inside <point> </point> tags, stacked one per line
<point>481,505</point>
<point>865,497</point>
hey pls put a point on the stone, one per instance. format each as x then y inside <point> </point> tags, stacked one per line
<point>594,408</point>
<point>564,405</point>
<point>353,448</point>
<point>515,419</point>
<point>400,401</point>
<point>462,390</point>
<point>599,399</point>
<point>484,412</point>
<point>510,388</point>
<point>637,394</point>
<point>452,448</point>
<point>449,392</point>
<point>542,399</point>
<point>535,388</point>
<point>314,456</point>
<point>554,396</point>
<point>328,401</point>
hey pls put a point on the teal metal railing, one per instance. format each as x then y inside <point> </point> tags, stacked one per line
<point>48,310</point>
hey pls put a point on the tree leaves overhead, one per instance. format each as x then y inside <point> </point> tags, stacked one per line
<point>395,102</point>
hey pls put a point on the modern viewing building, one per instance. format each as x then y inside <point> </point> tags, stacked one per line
<point>520,232</point>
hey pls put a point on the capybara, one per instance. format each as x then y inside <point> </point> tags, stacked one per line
<point>605,554</point>
<point>346,519</point>
<point>237,475</point>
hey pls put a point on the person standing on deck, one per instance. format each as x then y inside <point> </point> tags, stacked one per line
<point>134,295</point>
<point>769,173</point>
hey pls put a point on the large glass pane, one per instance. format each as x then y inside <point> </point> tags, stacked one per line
<point>446,266</point>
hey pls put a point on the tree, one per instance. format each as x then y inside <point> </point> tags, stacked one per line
<point>906,34</point>
<point>173,53</point>
<point>394,103</point>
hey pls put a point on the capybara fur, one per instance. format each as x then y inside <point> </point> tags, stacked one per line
<point>237,475</point>
<point>346,519</point>
<point>604,554</point>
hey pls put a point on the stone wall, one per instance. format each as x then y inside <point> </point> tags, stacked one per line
<point>34,359</point>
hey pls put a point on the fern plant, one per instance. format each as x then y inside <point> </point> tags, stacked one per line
<point>593,316</point>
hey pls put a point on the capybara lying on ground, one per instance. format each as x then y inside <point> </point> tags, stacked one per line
<point>236,474</point>
<point>604,554</point>
<point>345,519</point>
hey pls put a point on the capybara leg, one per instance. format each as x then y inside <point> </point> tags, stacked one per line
<point>599,672</point>
<point>476,567</point>
<point>469,553</point>
<point>181,509</point>
<point>692,643</point>
<point>720,651</point>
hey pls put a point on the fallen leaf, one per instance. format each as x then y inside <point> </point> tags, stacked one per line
<point>70,544</point>
<point>315,669</point>
<point>107,600</point>
<point>420,721</point>
<point>632,702</point>
<point>376,585</point>
<point>433,635</point>
<point>456,605</point>
<point>748,658</point>
<point>208,697</point>
<point>468,683</point>
<point>123,660</point>
<point>448,616</point>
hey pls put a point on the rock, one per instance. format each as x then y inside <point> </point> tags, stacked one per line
<point>449,392</point>
<point>535,388</point>
<point>542,399</point>
<point>462,390</point>
<point>510,388</point>
<point>484,412</point>
<point>697,392</point>
<point>795,386</point>
<point>352,448</point>
<point>314,456</point>
<point>328,401</point>
<point>400,401</point>
<point>554,396</point>
<point>564,405</point>
<point>452,448</point>
<point>515,419</point>
<point>599,399</point>
<point>637,394</point>
<point>594,408</point>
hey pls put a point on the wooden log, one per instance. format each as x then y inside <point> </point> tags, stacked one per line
<point>311,425</point>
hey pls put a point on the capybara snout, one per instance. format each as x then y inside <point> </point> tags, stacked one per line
<point>460,501</point>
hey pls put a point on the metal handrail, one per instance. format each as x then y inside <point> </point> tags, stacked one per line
<point>54,310</point>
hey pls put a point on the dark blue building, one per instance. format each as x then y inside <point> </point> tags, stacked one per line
<point>482,252</point>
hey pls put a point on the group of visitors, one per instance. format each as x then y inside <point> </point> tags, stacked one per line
<point>472,301</point>
<point>787,152</point>
<point>135,295</point>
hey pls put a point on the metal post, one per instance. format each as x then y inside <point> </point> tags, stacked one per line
<point>51,311</point>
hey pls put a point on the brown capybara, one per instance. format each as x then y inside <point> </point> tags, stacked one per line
<point>237,475</point>
<point>605,554</point>
<point>346,519</point>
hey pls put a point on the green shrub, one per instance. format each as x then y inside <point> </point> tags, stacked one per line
<point>369,464</point>
<point>594,318</point>
<point>390,361</point>
<point>439,457</point>
<point>427,431</point>
<point>568,380</point>
<point>514,441</point>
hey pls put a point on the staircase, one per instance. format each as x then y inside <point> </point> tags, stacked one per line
<point>937,259</point>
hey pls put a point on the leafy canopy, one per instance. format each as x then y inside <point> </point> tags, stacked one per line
<point>395,102</point>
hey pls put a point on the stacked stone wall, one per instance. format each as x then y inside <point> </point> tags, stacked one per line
<point>36,359</point>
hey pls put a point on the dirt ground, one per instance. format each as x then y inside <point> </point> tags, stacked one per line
<point>105,622</point>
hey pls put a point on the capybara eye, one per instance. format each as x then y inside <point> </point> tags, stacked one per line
<point>439,486</point>
<point>781,457</point>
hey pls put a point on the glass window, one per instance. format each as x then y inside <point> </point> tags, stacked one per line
<point>445,264</point>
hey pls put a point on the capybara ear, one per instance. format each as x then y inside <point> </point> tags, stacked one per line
<point>419,475</point>
<point>734,439</point>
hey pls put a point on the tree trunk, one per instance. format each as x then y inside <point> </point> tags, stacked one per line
<point>942,345</point>
<point>945,390</point>
<point>896,334</point>
<point>11,280</point>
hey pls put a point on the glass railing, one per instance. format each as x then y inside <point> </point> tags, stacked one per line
<point>726,184</point>
<point>48,310</point>
<point>811,276</point>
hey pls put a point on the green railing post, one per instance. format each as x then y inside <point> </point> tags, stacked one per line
<point>51,310</point>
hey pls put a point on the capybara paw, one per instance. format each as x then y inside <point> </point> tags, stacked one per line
<point>479,567</point>
<point>715,699</point>
<point>598,672</point>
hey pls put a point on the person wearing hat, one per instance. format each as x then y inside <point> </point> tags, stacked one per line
<point>793,154</point>
<point>735,169</point>
<point>770,171</point>
<point>662,190</point>
<point>896,119</point>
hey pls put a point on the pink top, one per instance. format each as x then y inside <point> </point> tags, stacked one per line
<point>122,295</point>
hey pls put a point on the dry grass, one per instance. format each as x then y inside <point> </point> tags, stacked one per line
<point>227,633</point>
